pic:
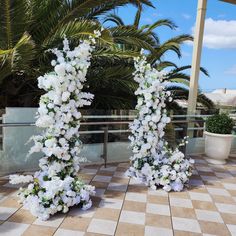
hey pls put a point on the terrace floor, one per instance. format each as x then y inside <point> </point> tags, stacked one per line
<point>124,207</point>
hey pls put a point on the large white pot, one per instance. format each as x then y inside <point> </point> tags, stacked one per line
<point>217,147</point>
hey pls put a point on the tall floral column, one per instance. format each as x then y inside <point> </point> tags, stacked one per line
<point>152,161</point>
<point>56,186</point>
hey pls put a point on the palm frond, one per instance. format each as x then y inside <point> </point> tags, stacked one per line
<point>114,18</point>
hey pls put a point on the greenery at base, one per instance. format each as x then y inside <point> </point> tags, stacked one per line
<point>219,124</point>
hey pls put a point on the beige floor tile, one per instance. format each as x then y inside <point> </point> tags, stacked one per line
<point>89,171</point>
<point>134,206</point>
<point>39,231</point>
<point>13,229</point>
<point>184,224</point>
<point>102,178</point>
<point>212,216</point>
<point>22,216</point>
<point>157,199</point>
<point>223,199</point>
<point>232,192</point>
<point>204,205</point>
<point>132,217</point>
<point>158,209</point>
<point>105,173</point>
<point>181,202</point>
<point>150,231</point>
<point>183,212</point>
<point>119,180</point>
<point>125,229</point>
<point>120,174</point>
<point>10,202</point>
<point>107,214</point>
<point>158,220</point>
<point>99,226</point>
<point>229,218</point>
<point>214,228</point>
<point>179,195</point>
<point>137,189</point>
<point>96,200</point>
<point>110,168</point>
<point>6,212</point>
<point>114,194</point>
<point>75,223</point>
<point>98,184</point>
<point>67,232</point>
<point>200,196</point>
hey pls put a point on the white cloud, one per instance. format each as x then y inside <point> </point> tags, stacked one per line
<point>186,16</point>
<point>231,71</point>
<point>219,34</point>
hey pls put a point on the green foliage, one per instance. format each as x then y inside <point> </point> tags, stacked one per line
<point>219,124</point>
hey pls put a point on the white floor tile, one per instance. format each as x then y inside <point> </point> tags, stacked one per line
<point>101,178</point>
<point>211,216</point>
<point>151,231</point>
<point>132,217</point>
<point>6,212</point>
<point>158,209</point>
<point>181,202</point>
<point>67,232</point>
<point>12,229</point>
<point>98,226</point>
<point>186,225</point>
<point>137,197</point>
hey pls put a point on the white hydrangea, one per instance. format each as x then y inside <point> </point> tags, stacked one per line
<point>152,161</point>
<point>56,187</point>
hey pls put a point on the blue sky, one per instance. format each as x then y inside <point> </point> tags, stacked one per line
<point>219,51</point>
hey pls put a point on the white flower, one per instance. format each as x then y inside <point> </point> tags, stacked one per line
<point>152,161</point>
<point>17,179</point>
<point>56,187</point>
<point>60,69</point>
<point>65,96</point>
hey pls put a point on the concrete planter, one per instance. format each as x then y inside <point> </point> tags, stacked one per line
<point>217,147</point>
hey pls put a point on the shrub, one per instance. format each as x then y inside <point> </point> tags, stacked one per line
<point>220,124</point>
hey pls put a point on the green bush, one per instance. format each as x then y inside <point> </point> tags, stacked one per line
<point>219,124</point>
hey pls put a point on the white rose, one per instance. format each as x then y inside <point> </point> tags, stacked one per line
<point>65,96</point>
<point>60,69</point>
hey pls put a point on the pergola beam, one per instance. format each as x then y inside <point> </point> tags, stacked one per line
<point>196,58</point>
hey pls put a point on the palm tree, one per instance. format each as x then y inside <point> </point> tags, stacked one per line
<point>30,27</point>
<point>124,35</point>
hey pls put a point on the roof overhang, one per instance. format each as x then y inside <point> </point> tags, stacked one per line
<point>229,1</point>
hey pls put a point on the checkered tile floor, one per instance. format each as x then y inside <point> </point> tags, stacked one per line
<point>124,207</point>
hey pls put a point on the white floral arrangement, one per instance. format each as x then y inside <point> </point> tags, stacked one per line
<point>152,161</point>
<point>56,186</point>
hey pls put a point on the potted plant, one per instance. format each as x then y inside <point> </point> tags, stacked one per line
<point>218,138</point>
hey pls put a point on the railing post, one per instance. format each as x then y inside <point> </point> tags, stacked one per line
<point>105,141</point>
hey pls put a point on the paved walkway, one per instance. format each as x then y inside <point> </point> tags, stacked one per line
<point>124,207</point>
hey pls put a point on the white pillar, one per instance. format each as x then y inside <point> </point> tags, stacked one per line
<point>196,58</point>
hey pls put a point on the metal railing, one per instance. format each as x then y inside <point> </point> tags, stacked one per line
<point>119,120</point>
